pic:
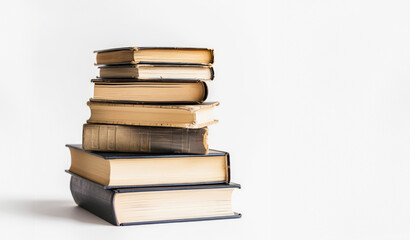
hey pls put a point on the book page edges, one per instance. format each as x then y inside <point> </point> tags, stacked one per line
<point>181,125</point>
<point>190,108</point>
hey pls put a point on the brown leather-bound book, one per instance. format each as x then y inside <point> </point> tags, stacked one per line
<point>118,138</point>
<point>173,55</point>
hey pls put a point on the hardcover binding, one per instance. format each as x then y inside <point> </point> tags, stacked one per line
<point>204,97</point>
<point>186,107</point>
<point>192,108</point>
<point>237,215</point>
<point>140,48</point>
<point>155,186</point>
<point>94,198</point>
<point>145,62</point>
<point>131,80</point>
<point>124,155</point>
<point>128,155</point>
<point>99,201</point>
<point>120,79</point>
<point>120,138</point>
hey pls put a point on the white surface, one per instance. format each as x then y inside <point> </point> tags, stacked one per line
<point>317,123</point>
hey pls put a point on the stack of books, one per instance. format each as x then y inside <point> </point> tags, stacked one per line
<point>144,157</point>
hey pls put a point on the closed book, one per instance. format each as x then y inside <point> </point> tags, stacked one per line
<point>121,170</point>
<point>151,92</point>
<point>121,138</point>
<point>172,115</point>
<point>149,205</point>
<point>170,55</point>
<point>155,72</point>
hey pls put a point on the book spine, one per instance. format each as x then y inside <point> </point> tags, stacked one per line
<point>211,69</point>
<point>118,138</point>
<point>115,57</point>
<point>94,198</point>
<point>118,72</point>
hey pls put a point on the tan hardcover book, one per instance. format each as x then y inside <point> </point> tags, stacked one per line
<point>138,169</point>
<point>134,55</point>
<point>151,92</point>
<point>119,138</point>
<point>158,72</point>
<point>183,116</point>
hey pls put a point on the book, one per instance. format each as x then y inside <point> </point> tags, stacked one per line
<point>135,55</point>
<point>137,169</point>
<point>120,138</point>
<point>158,72</point>
<point>151,92</point>
<point>184,116</point>
<point>148,205</point>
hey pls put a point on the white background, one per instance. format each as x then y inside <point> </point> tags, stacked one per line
<point>315,111</point>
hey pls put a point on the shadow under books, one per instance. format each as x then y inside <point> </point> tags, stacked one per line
<point>57,209</point>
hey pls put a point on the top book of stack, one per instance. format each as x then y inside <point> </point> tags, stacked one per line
<point>140,55</point>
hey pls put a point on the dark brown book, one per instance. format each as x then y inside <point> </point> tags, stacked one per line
<point>119,138</point>
<point>135,55</point>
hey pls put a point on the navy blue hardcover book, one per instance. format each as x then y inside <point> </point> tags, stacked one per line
<point>149,205</point>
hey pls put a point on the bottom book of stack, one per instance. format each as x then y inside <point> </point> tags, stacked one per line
<point>148,205</point>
